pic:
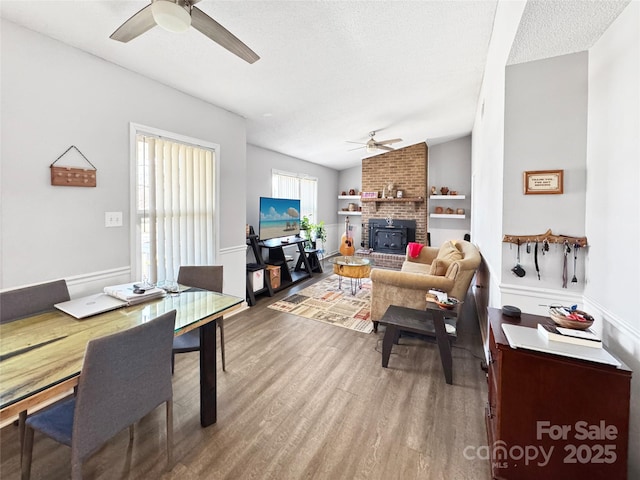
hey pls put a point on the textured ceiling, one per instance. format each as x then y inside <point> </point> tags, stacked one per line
<point>549,28</point>
<point>330,71</point>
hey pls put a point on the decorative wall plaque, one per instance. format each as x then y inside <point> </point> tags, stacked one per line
<point>73,176</point>
<point>543,182</point>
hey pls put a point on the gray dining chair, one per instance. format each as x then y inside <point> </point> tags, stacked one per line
<point>22,302</point>
<point>206,277</point>
<point>124,377</point>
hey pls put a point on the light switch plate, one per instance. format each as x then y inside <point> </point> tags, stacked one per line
<point>112,219</point>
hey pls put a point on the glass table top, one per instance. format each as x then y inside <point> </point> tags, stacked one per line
<point>351,261</point>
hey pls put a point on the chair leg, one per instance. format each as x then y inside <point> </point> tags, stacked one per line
<point>27,453</point>
<point>22,418</point>
<point>173,362</point>
<point>131,433</point>
<point>169,435</point>
<point>221,324</point>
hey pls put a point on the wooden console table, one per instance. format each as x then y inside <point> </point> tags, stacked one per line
<point>576,411</point>
<point>303,269</point>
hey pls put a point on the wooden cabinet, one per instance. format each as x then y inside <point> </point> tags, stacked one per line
<point>550,416</point>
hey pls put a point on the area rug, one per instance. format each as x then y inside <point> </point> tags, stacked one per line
<point>325,302</point>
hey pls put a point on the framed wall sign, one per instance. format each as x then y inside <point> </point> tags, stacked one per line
<point>543,181</point>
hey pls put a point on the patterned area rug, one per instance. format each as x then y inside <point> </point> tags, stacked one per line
<point>325,302</point>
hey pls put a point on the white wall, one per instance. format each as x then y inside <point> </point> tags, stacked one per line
<point>54,96</point>
<point>260,163</point>
<point>488,146</point>
<point>545,128</point>
<point>613,199</point>
<point>450,166</point>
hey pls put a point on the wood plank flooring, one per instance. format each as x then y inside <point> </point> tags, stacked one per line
<point>302,399</point>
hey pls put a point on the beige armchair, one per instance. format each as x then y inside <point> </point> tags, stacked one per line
<point>449,268</point>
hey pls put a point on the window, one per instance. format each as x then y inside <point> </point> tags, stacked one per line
<point>174,195</point>
<point>302,187</point>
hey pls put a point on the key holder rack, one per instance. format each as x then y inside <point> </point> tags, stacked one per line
<point>548,236</point>
<point>73,176</point>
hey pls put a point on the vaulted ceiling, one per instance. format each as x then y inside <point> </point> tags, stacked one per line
<point>330,71</point>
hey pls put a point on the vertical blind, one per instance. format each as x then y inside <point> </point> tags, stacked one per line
<point>176,192</point>
<point>302,187</point>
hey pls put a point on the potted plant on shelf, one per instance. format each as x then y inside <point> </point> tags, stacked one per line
<point>306,227</point>
<point>319,232</point>
<point>313,231</point>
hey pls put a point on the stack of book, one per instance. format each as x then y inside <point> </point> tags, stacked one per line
<point>554,333</point>
<point>135,293</point>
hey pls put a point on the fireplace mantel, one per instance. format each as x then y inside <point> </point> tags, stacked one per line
<point>375,201</point>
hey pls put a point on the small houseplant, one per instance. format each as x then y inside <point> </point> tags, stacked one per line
<point>306,227</point>
<point>319,231</point>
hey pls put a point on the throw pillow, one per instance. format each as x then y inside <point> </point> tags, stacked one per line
<point>439,267</point>
<point>449,252</point>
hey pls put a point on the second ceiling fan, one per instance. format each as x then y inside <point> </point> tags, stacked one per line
<point>177,16</point>
<point>373,145</point>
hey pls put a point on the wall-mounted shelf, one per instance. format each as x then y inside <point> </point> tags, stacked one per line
<point>447,197</point>
<point>376,201</point>
<point>354,199</point>
<point>446,215</point>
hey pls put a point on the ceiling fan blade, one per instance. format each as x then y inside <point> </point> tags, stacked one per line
<point>383,147</point>
<point>216,32</point>
<point>357,148</point>
<point>138,24</point>
<point>393,140</point>
<point>358,143</point>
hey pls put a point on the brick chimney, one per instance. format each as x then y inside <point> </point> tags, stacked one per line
<point>406,168</point>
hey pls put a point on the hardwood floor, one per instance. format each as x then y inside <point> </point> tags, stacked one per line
<point>302,399</point>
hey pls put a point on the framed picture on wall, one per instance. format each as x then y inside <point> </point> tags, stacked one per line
<point>543,182</point>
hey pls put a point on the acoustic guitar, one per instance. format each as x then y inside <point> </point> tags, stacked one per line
<point>346,244</point>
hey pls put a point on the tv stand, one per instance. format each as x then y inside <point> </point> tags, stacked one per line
<point>275,256</point>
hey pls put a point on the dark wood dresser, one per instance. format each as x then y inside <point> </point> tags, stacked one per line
<point>553,417</point>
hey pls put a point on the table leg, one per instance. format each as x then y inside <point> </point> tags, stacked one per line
<point>208,375</point>
<point>443,345</point>
<point>387,344</point>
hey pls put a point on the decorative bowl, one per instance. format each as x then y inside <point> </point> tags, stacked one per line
<point>448,304</point>
<point>567,318</point>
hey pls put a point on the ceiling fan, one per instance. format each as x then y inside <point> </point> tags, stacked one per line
<point>372,144</point>
<point>178,16</point>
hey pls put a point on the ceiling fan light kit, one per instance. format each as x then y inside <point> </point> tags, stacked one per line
<point>171,16</point>
<point>177,16</point>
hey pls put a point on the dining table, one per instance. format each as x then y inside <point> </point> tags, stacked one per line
<point>41,355</point>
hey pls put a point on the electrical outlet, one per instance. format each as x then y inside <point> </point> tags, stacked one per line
<point>112,219</point>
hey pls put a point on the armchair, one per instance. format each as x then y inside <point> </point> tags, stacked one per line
<point>449,268</point>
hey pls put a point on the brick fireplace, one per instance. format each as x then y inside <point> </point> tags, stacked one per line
<point>391,236</point>
<point>407,169</point>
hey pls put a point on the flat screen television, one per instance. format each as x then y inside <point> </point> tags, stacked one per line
<point>279,217</point>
